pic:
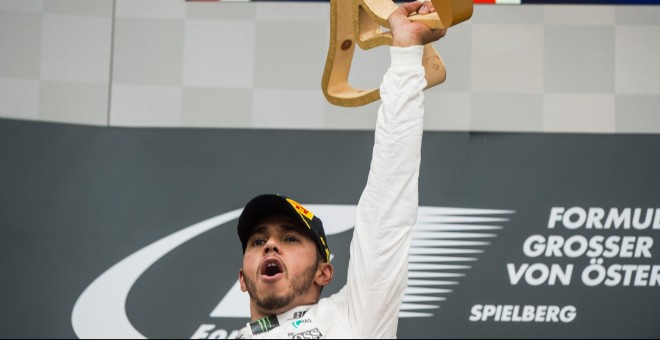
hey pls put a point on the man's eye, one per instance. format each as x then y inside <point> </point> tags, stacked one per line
<point>291,239</point>
<point>258,242</point>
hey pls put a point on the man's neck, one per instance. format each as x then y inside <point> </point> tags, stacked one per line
<point>257,314</point>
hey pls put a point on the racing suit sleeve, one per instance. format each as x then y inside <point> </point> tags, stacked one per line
<point>387,211</point>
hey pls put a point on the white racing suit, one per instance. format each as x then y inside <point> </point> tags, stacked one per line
<point>368,306</point>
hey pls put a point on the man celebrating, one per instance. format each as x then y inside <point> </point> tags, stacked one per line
<point>286,261</point>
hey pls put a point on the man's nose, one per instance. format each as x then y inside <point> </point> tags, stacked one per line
<point>271,246</point>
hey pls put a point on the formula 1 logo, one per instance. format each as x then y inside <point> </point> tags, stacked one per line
<point>445,242</point>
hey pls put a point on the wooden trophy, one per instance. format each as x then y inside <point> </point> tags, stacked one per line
<point>361,22</point>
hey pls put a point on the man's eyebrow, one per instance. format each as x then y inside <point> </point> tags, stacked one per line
<point>292,227</point>
<point>258,229</point>
<point>288,227</point>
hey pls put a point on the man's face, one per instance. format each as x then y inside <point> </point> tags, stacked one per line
<point>280,266</point>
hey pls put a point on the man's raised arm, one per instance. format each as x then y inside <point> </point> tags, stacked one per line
<point>387,211</point>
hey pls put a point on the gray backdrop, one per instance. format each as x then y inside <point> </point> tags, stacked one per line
<point>77,200</point>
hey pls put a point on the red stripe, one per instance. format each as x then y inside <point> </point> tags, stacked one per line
<point>475,1</point>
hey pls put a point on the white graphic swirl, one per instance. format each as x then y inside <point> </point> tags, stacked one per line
<point>100,311</point>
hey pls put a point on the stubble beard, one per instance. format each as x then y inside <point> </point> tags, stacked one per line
<point>272,302</point>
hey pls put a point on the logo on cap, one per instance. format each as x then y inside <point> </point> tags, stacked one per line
<point>301,210</point>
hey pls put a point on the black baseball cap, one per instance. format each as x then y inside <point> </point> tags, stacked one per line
<point>265,206</point>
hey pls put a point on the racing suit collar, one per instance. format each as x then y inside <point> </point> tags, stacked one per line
<point>270,322</point>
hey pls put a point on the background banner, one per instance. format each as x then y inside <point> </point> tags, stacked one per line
<point>131,232</point>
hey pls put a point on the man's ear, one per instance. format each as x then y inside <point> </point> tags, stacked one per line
<point>324,274</point>
<point>242,280</point>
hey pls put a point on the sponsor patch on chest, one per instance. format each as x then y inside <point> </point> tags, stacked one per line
<point>311,334</point>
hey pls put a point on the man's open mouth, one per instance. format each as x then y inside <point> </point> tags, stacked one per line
<point>271,267</point>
